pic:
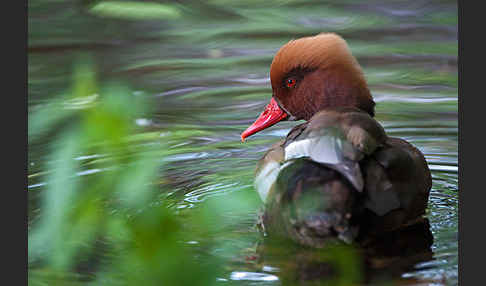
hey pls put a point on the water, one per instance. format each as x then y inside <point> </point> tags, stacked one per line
<point>208,71</point>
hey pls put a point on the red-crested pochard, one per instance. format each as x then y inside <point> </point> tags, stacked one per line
<point>338,175</point>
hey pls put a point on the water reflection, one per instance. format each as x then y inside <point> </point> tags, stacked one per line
<point>381,259</point>
<point>252,276</point>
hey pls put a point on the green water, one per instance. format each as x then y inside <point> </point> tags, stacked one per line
<point>205,69</point>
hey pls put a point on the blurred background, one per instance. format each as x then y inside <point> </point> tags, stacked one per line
<point>136,172</point>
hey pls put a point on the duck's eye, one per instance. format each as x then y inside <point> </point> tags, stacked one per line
<point>291,82</point>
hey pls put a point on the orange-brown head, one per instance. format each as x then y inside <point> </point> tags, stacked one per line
<point>310,74</point>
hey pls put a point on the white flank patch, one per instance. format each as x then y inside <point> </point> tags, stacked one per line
<point>265,179</point>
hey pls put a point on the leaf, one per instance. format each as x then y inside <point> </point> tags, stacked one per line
<point>135,10</point>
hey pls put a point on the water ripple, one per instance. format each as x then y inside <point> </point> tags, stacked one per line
<point>252,276</point>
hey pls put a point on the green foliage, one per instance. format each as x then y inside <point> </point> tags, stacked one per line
<point>108,201</point>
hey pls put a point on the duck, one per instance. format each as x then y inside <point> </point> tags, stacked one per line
<point>337,176</point>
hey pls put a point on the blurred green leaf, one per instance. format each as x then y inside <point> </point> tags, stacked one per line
<point>48,238</point>
<point>135,10</point>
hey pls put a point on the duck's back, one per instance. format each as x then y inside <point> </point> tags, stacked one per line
<point>339,175</point>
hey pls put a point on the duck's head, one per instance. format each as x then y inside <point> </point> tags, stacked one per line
<point>311,74</point>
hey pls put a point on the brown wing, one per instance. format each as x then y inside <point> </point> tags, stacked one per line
<point>398,183</point>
